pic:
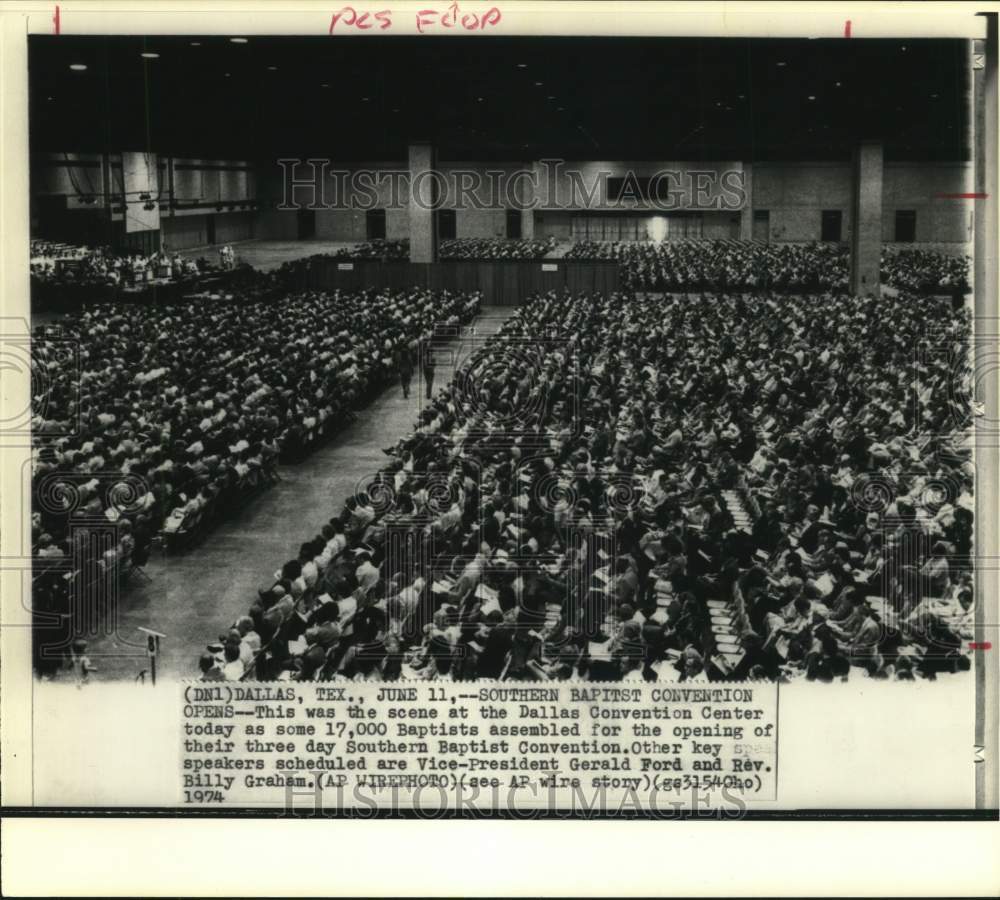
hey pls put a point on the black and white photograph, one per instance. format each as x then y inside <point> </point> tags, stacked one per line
<point>517,396</point>
<point>429,403</point>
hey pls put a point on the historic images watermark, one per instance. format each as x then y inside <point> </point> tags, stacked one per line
<point>551,185</point>
<point>432,797</point>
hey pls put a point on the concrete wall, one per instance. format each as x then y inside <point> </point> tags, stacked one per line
<point>69,174</point>
<point>207,180</point>
<point>914,186</point>
<point>584,184</point>
<point>197,185</point>
<point>231,227</point>
<point>184,232</point>
<point>796,194</point>
<point>345,223</point>
<point>276,225</point>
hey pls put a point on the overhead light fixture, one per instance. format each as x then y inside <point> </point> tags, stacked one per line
<point>324,85</point>
<point>364,99</point>
<point>782,63</point>
<point>933,97</point>
<point>538,84</point>
<point>78,67</point>
<point>522,65</point>
<point>811,97</point>
<point>237,40</point>
<point>228,74</point>
<point>150,55</point>
<point>195,43</point>
<point>479,99</point>
<point>903,48</point>
<point>50,99</point>
<point>836,84</point>
<point>272,68</point>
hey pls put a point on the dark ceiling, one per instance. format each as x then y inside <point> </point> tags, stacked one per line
<point>500,98</point>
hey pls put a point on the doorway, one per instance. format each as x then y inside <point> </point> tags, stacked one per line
<point>307,224</point>
<point>830,225</point>
<point>375,225</point>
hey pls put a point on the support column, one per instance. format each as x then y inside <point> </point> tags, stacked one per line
<point>528,194</point>
<point>866,234</point>
<point>423,236</point>
<point>527,224</point>
<point>746,213</point>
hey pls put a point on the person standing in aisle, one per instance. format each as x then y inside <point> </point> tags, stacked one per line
<point>404,364</point>
<point>428,367</point>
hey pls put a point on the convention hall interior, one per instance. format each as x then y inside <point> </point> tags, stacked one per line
<point>509,358</point>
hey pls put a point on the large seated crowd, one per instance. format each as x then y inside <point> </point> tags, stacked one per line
<point>193,404</point>
<point>924,271</point>
<point>636,488</point>
<point>495,248</point>
<point>721,265</point>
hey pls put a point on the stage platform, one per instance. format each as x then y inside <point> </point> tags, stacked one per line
<point>268,255</point>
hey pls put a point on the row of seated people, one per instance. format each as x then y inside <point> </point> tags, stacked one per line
<point>376,249</point>
<point>495,248</point>
<point>563,509</point>
<point>191,405</point>
<point>101,266</point>
<point>743,265</point>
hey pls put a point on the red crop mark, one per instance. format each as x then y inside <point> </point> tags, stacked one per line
<point>847,28</point>
<point>55,19</point>
<point>980,645</point>
<point>972,196</point>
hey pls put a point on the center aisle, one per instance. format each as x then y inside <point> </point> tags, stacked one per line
<point>193,597</point>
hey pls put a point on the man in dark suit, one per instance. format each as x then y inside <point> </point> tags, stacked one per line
<point>428,369</point>
<point>404,365</point>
